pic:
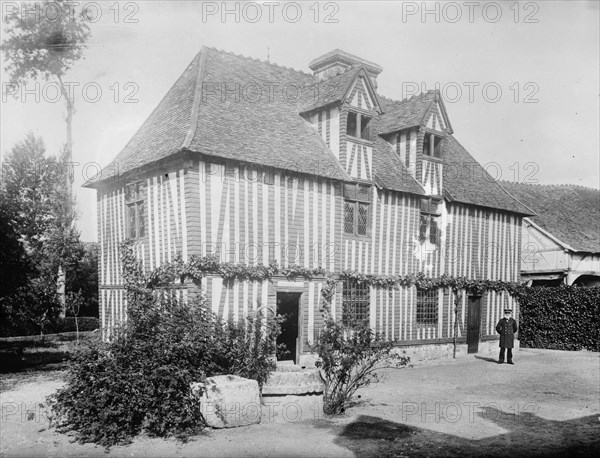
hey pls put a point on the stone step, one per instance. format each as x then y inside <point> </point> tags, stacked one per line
<point>288,366</point>
<point>306,381</point>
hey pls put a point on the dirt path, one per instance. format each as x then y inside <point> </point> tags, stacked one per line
<point>545,405</point>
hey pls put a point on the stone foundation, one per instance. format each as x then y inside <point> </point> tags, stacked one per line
<point>428,352</point>
<point>443,351</point>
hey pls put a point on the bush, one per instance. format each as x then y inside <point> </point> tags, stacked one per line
<point>560,318</point>
<point>349,359</point>
<point>141,380</point>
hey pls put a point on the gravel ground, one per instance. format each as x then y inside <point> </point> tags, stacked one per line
<point>547,404</point>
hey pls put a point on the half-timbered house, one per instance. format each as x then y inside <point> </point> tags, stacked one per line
<point>253,163</point>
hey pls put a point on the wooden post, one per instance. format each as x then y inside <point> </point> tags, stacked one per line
<point>455,327</point>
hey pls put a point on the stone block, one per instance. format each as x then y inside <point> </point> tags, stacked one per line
<point>228,401</point>
<point>292,408</point>
<point>297,382</point>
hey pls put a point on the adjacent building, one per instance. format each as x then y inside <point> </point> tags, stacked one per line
<point>561,243</point>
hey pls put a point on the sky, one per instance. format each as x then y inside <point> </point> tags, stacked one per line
<point>520,80</point>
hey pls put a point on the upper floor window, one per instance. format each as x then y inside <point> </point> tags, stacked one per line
<point>357,209</point>
<point>355,303</point>
<point>432,145</point>
<point>358,125</point>
<point>429,227</point>
<point>427,306</point>
<point>136,217</point>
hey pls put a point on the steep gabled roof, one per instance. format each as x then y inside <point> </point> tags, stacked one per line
<point>163,132</point>
<point>466,181</point>
<point>389,171</point>
<point>337,89</point>
<point>328,91</point>
<point>570,213</point>
<point>232,107</point>
<point>411,112</point>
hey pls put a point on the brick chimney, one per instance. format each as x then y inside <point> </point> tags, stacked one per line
<point>337,62</point>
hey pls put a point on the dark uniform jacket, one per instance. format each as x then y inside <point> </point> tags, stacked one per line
<point>506,329</point>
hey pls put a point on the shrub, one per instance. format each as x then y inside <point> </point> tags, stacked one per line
<point>141,380</point>
<point>349,359</point>
<point>560,318</point>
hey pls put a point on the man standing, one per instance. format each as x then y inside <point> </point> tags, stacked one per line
<point>506,327</point>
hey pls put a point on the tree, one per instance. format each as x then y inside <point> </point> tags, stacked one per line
<point>83,277</point>
<point>15,266</point>
<point>36,303</point>
<point>34,185</point>
<point>37,232</point>
<point>45,46</point>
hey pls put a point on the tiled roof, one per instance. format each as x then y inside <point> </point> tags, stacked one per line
<point>568,212</point>
<point>259,127</point>
<point>406,113</point>
<point>390,172</point>
<point>328,91</point>
<point>466,181</point>
<point>253,120</point>
<point>163,132</point>
<point>233,107</point>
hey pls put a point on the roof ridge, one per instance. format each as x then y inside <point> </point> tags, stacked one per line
<point>554,185</point>
<point>196,102</point>
<point>406,100</point>
<point>255,59</point>
<point>141,126</point>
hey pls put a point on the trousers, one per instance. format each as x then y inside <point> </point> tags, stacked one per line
<point>509,354</point>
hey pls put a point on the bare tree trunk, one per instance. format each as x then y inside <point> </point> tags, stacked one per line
<point>77,329</point>
<point>69,186</point>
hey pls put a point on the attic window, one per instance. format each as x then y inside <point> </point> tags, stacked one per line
<point>432,145</point>
<point>358,125</point>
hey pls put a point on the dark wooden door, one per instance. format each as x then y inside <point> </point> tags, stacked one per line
<point>473,324</point>
<point>288,305</point>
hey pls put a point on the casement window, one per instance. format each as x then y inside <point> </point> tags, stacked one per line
<point>427,307</point>
<point>358,125</point>
<point>136,210</point>
<point>357,209</point>
<point>429,225</point>
<point>432,145</point>
<point>355,303</point>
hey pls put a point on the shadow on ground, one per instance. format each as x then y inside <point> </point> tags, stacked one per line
<point>529,435</point>
<point>489,360</point>
<point>39,361</point>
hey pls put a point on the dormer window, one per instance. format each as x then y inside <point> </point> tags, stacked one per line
<point>358,125</point>
<point>432,145</point>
